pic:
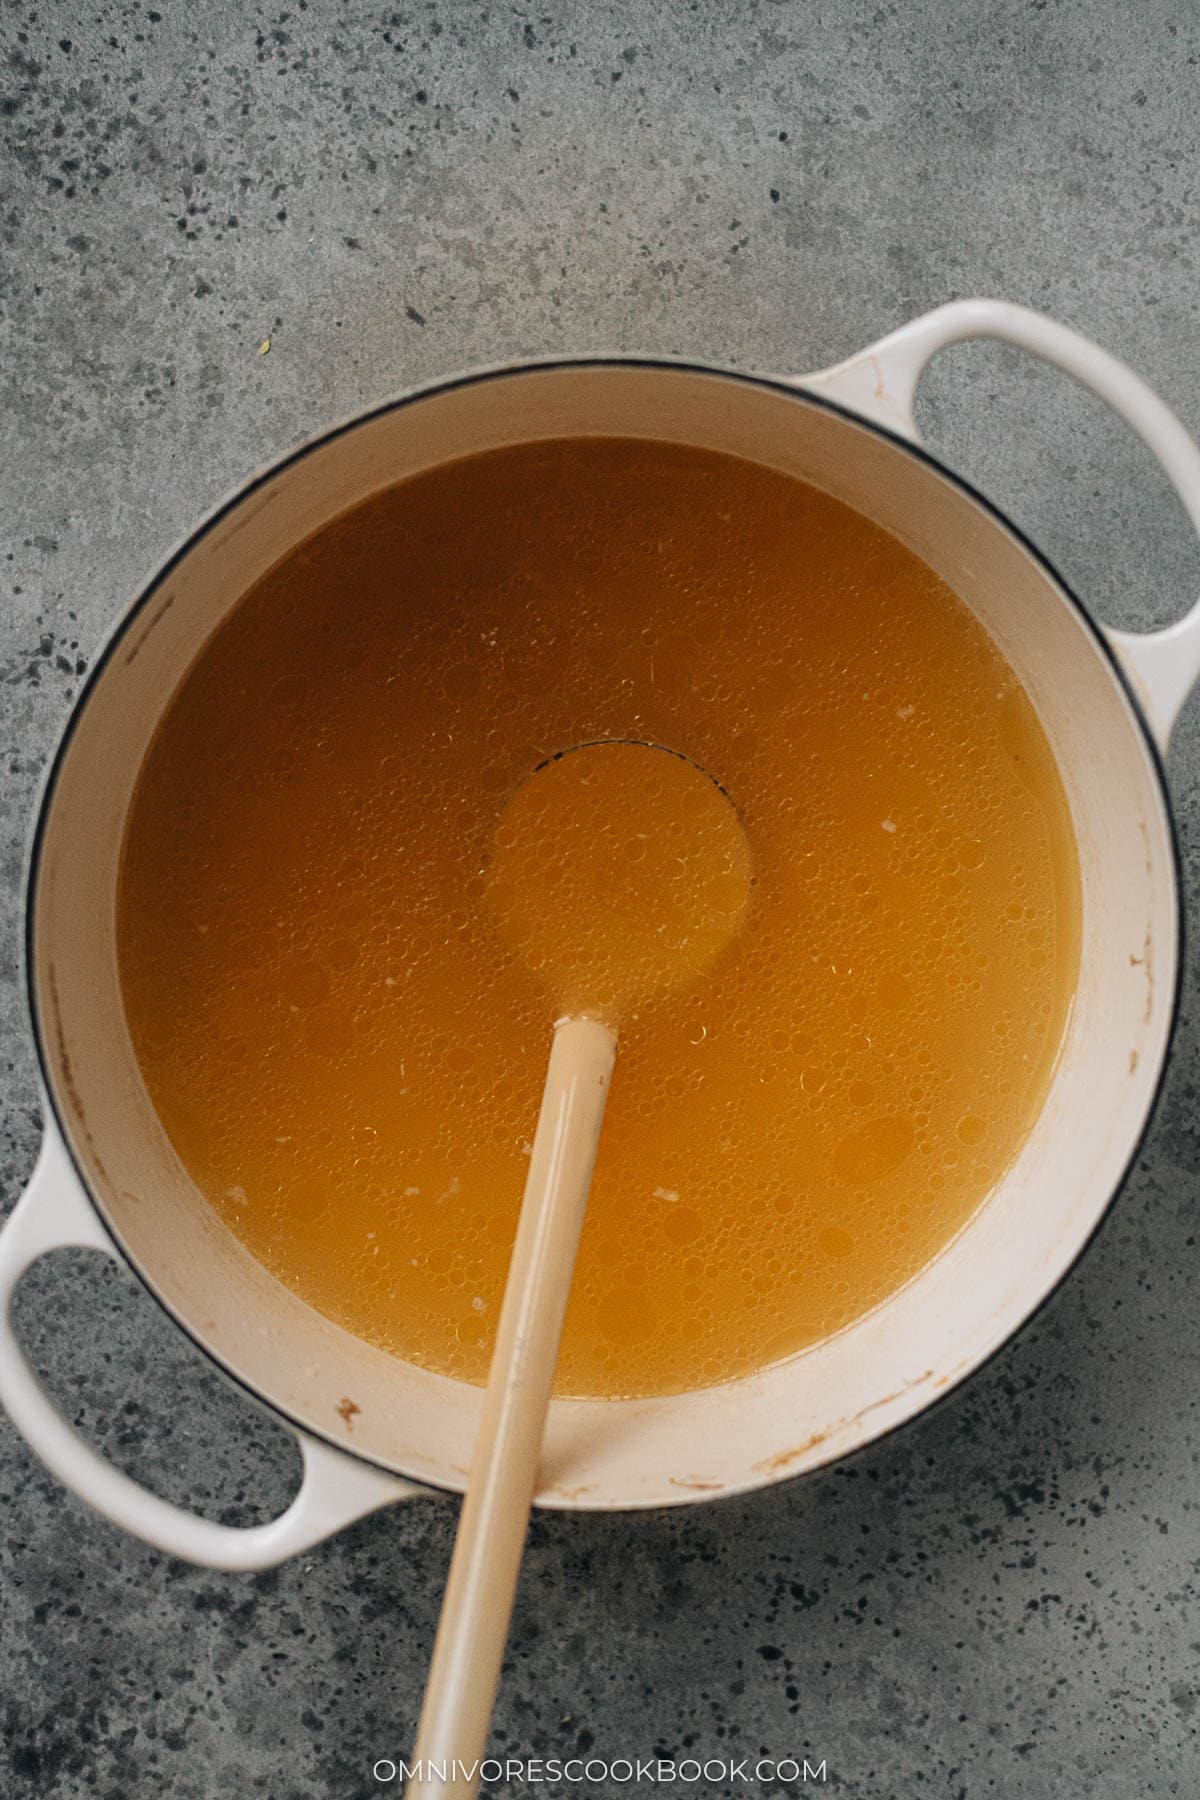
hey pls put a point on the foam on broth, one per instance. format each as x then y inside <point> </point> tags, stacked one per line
<point>345,1042</point>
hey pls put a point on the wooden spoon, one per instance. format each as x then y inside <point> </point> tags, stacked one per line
<point>619,871</point>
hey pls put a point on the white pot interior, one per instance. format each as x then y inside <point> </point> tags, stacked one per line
<point>829,1399</point>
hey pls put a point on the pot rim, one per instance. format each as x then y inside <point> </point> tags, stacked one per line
<point>793,389</point>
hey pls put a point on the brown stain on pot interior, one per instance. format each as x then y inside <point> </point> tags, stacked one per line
<point>63,1076</point>
<point>346,1410</point>
<point>1146,961</point>
<point>783,1459</point>
<point>66,1074</point>
<point>244,515</point>
<point>955,1374</point>
<point>156,619</point>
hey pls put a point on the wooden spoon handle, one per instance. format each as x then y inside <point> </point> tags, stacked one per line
<point>473,1628</point>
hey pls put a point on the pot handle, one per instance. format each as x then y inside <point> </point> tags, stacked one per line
<point>881,383</point>
<point>335,1489</point>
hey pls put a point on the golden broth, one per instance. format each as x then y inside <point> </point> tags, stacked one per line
<point>344,1039</point>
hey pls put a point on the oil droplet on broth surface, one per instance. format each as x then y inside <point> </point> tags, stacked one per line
<point>341,841</point>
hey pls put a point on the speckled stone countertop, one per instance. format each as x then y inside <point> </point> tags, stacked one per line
<point>1001,1600</point>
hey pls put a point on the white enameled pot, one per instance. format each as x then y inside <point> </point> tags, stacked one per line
<point>108,1178</point>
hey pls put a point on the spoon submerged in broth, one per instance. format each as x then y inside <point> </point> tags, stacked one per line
<point>619,872</point>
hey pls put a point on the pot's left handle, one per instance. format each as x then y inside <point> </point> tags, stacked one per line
<point>881,383</point>
<point>335,1489</point>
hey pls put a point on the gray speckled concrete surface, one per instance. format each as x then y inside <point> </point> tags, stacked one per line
<point>1002,1600</point>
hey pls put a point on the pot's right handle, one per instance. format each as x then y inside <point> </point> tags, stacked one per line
<point>335,1489</point>
<point>881,383</point>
